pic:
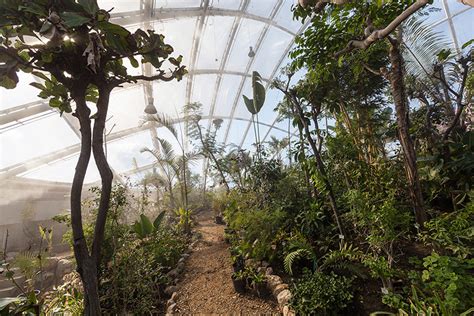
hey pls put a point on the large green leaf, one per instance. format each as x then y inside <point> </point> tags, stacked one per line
<point>258,92</point>
<point>72,19</point>
<point>249,104</point>
<point>34,8</point>
<point>146,225</point>
<point>90,6</point>
<point>108,27</point>
<point>38,85</point>
<point>158,220</point>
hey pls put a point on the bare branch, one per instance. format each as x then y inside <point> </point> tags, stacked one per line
<point>460,105</point>
<point>383,33</point>
<point>375,72</point>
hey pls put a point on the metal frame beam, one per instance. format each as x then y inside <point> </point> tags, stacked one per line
<point>163,14</point>
<point>230,42</point>
<point>52,157</point>
<point>24,111</point>
<point>275,72</point>
<point>249,64</point>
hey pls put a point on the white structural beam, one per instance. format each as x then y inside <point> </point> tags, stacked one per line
<point>249,65</point>
<point>230,42</point>
<point>52,157</point>
<point>163,14</point>
<point>21,112</point>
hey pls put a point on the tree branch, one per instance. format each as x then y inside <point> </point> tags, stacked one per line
<point>161,76</point>
<point>320,4</point>
<point>383,33</point>
<point>460,106</point>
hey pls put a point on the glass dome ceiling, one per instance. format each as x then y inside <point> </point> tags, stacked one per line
<point>214,37</point>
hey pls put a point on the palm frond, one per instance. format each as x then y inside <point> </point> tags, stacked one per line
<point>166,149</point>
<point>165,121</point>
<point>422,45</point>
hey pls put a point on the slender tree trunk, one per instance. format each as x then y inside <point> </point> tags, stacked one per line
<point>86,266</point>
<point>319,163</point>
<point>104,171</point>
<point>213,157</point>
<point>310,187</point>
<point>401,109</point>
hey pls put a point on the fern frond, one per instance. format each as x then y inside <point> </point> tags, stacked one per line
<point>292,256</point>
<point>346,252</point>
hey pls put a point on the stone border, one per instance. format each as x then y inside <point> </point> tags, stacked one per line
<point>174,274</point>
<point>280,291</point>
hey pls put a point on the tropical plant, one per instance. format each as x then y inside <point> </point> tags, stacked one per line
<point>78,56</point>
<point>209,147</point>
<point>144,227</point>
<point>184,219</point>
<point>171,164</point>
<point>255,105</point>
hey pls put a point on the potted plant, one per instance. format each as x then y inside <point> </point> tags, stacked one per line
<point>238,263</point>
<point>239,281</point>
<point>258,283</point>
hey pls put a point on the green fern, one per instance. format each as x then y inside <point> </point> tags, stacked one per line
<point>292,256</point>
<point>344,254</point>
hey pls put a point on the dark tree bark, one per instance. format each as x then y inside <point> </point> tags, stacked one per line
<point>104,170</point>
<point>395,77</point>
<point>91,141</point>
<point>86,265</point>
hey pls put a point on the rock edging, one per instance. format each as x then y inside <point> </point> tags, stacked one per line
<point>173,275</point>
<point>280,291</point>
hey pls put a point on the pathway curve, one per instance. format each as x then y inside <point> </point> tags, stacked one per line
<point>206,287</point>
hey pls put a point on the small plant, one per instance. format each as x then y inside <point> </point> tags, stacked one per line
<point>21,305</point>
<point>321,294</point>
<point>65,299</point>
<point>239,281</point>
<point>185,221</point>
<point>256,281</point>
<point>144,227</point>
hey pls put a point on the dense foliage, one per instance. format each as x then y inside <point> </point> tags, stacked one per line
<point>375,213</point>
<point>370,207</point>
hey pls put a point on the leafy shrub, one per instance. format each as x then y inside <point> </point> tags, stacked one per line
<point>449,279</point>
<point>135,277</point>
<point>453,232</point>
<point>321,294</point>
<point>258,229</point>
<point>145,227</point>
<point>66,299</point>
<point>443,287</point>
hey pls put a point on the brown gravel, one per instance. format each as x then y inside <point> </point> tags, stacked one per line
<point>206,287</point>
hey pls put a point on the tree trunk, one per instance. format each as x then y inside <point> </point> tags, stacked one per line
<point>401,109</point>
<point>86,266</point>
<point>213,157</point>
<point>319,163</point>
<point>104,171</point>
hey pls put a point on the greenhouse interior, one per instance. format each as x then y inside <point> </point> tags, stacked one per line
<point>236,157</point>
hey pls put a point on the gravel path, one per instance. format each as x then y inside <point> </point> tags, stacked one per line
<point>206,287</point>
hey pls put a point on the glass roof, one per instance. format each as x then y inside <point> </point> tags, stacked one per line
<point>214,36</point>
